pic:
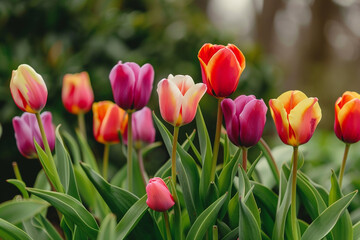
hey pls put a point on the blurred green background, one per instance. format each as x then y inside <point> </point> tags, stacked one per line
<point>310,45</point>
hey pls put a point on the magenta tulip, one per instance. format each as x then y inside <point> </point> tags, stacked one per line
<point>245,119</point>
<point>158,195</point>
<point>142,127</point>
<point>27,129</point>
<point>131,84</point>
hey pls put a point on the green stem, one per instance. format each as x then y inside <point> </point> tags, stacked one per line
<point>216,141</point>
<point>82,126</point>
<point>177,213</point>
<point>144,175</point>
<point>129,159</point>
<point>106,160</point>
<point>215,233</point>
<point>244,157</point>
<point>342,169</point>
<point>173,155</point>
<point>167,225</point>
<point>293,195</point>
<point>43,136</point>
<point>16,171</point>
<point>267,152</point>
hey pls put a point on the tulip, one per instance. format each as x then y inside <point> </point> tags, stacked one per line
<point>179,97</point>
<point>28,89</point>
<point>221,68</point>
<point>158,195</point>
<point>296,117</point>
<point>109,120</point>
<point>347,117</point>
<point>77,94</point>
<point>245,119</point>
<point>27,129</point>
<point>142,127</point>
<point>131,84</point>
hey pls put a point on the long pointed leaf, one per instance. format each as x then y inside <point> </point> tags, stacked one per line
<point>9,231</point>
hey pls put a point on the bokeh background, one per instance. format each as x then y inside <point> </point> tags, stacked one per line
<point>310,45</point>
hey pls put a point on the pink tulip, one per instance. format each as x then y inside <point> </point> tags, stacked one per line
<point>179,97</point>
<point>131,84</point>
<point>158,195</point>
<point>245,119</point>
<point>28,89</point>
<point>26,129</point>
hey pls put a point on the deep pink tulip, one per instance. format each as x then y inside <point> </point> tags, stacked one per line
<point>159,197</point>
<point>26,129</point>
<point>28,89</point>
<point>245,119</point>
<point>131,84</point>
<point>142,127</point>
<point>179,97</point>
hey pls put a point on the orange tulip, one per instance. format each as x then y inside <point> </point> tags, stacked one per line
<point>296,117</point>
<point>109,120</point>
<point>77,94</point>
<point>347,117</point>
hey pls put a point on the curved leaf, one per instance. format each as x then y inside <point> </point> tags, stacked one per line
<point>248,226</point>
<point>107,228</point>
<point>20,185</point>
<point>9,231</point>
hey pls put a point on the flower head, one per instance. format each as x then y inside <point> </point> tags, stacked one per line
<point>143,127</point>
<point>28,89</point>
<point>296,117</point>
<point>158,196</point>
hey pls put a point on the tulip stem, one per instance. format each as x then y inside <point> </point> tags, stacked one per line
<point>244,157</point>
<point>43,136</point>
<point>216,141</point>
<point>106,160</point>
<point>342,169</point>
<point>144,176</point>
<point>129,158</point>
<point>16,171</point>
<point>173,155</point>
<point>293,195</point>
<point>167,225</point>
<point>81,122</point>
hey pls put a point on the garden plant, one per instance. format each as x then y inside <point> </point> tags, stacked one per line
<point>205,189</point>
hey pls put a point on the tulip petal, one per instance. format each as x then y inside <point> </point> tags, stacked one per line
<point>183,82</point>
<point>24,140</point>
<point>143,127</point>
<point>205,76</point>
<point>158,195</point>
<point>241,101</point>
<point>224,72</point>
<point>49,128</point>
<point>122,79</point>
<point>291,98</point>
<point>337,128</point>
<point>228,108</point>
<point>252,121</point>
<point>303,119</point>
<point>110,125</point>
<point>239,55</point>
<point>349,119</point>
<point>170,100</point>
<point>207,51</point>
<point>190,102</point>
<point>279,115</point>
<point>143,86</point>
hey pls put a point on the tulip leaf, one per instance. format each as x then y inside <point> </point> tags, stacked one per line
<point>20,185</point>
<point>164,170</point>
<point>72,209</point>
<point>193,148</point>
<point>323,224</point>
<point>16,211</point>
<point>65,167</point>
<point>9,231</point>
<point>42,223</point>
<point>269,157</point>
<point>205,220</point>
<point>248,227</point>
<point>265,196</point>
<point>227,174</point>
<point>120,201</point>
<point>356,230</point>
<point>74,149</point>
<point>107,228</point>
<point>187,172</point>
<point>253,165</point>
<point>87,155</point>
<point>41,182</point>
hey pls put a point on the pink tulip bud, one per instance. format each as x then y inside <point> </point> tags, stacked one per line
<point>159,197</point>
<point>27,129</point>
<point>179,97</point>
<point>245,119</point>
<point>131,84</point>
<point>77,94</point>
<point>28,89</point>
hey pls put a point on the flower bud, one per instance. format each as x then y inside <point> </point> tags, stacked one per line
<point>143,129</point>
<point>28,89</point>
<point>77,94</point>
<point>158,195</point>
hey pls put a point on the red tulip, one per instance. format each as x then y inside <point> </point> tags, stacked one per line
<point>221,68</point>
<point>158,195</point>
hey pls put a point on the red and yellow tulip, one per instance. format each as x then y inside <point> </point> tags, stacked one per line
<point>221,68</point>
<point>296,117</point>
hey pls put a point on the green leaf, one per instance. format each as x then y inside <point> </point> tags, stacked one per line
<point>120,201</point>
<point>74,149</point>
<point>15,211</point>
<point>72,209</point>
<point>87,155</point>
<point>232,235</point>
<point>20,185</point>
<point>227,174</point>
<point>323,224</point>
<point>107,228</point>
<point>205,220</point>
<point>193,148</point>
<point>253,165</point>
<point>43,224</point>
<point>65,168</point>
<point>266,196</point>
<point>41,181</point>
<point>165,170</point>
<point>9,231</point>
<point>150,147</point>
<point>269,157</point>
<point>356,230</point>
<point>248,227</point>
